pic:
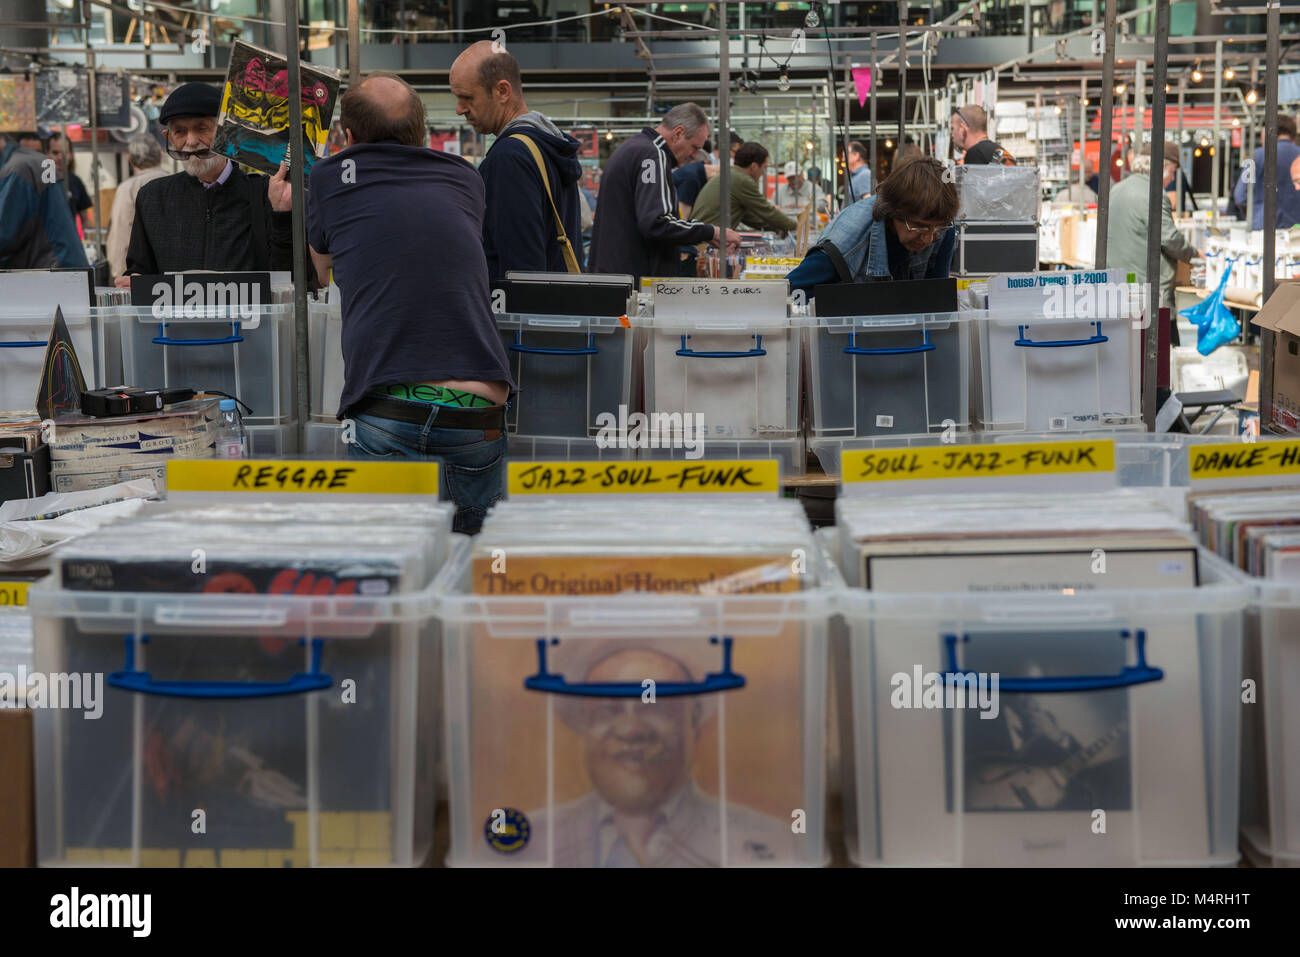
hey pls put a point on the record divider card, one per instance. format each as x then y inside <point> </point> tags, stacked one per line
<point>711,477</point>
<point>1076,465</point>
<point>300,479</point>
<point>1242,465</point>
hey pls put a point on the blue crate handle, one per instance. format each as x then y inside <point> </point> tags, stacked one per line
<point>925,346</point>
<point>1140,673</point>
<point>724,680</point>
<point>591,349</point>
<point>1022,341</point>
<point>758,350</point>
<point>141,682</point>
<point>163,339</point>
<point>22,345</point>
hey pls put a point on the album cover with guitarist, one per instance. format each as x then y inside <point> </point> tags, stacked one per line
<point>1057,751</point>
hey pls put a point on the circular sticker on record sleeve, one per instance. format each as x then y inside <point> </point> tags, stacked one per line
<point>507,830</point>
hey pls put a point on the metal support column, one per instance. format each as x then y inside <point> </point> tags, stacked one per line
<point>1083,133</point>
<point>722,137</point>
<point>902,72</point>
<point>302,370</point>
<point>1182,104</point>
<point>1218,105</point>
<point>354,44</point>
<point>1266,342</point>
<point>849,196</point>
<point>92,85</point>
<point>1155,212</point>
<point>1103,148</point>
<point>875,77</point>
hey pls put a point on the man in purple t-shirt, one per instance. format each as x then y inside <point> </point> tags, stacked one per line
<point>425,372</point>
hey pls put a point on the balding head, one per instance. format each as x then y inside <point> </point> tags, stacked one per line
<point>488,88</point>
<point>381,107</point>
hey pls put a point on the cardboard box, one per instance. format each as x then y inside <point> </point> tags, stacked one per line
<point>1280,316</point>
<point>1183,273</point>
<point>17,791</point>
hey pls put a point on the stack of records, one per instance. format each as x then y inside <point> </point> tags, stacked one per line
<point>660,704</point>
<point>89,452</point>
<point>1257,531</point>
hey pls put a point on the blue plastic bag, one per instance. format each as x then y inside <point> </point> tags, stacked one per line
<point>1215,324</point>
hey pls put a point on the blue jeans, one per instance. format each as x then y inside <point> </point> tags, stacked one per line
<point>473,468</point>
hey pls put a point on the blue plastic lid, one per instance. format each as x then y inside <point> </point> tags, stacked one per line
<point>227,405</point>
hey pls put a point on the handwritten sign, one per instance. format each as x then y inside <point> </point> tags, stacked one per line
<point>1247,460</point>
<point>642,478</point>
<point>13,594</point>
<point>261,476</point>
<point>983,461</point>
<point>728,300</point>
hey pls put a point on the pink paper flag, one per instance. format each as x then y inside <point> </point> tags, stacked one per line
<point>862,83</point>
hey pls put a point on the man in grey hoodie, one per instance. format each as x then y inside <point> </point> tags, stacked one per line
<point>520,231</point>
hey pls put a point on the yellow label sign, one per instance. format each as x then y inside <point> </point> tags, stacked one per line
<point>979,461</point>
<point>1245,460</point>
<point>263,476</point>
<point>641,478</point>
<point>13,594</point>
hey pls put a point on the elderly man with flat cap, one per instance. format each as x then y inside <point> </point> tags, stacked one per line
<point>213,215</point>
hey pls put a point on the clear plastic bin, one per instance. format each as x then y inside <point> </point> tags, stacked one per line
<point>250,358</point>
<point>916,794</point>
<point>791,453</point>
<point>561,448</point>
<point>754,792</point>
<point>24,337</point>
<point>272,441</point>
<point>569,370</point>
<point>326,440</point>
<point>325,356</point>
<point>889,376</point>
<point>1270,761</point>
<point>998,193</point>
<point>303,728</point>
<point>1058,375</point>
<point>740,380</point>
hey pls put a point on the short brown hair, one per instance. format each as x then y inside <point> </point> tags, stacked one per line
<point>1286,126</point>
<point>974,117</point>
<point>370,124</point>
<point>495,67</point>
<point>857,147</point>
<point>748,153</point>
<point>917,190</point>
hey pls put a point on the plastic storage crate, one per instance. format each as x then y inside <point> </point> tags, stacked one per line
<point>231,723</point>
<point>997,194</point>
<point>325,355</point>
<point>1056,375</point>
<point>740,381</point>
<point>532,744</point>
<point>912,798</point>
<point>251,358</point>
<point>985,248</point>
<point>1270,780</point>
<point>886,378</point>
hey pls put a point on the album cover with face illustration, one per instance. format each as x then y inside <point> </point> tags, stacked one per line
<point>584,754</point>
<point>253,128</point>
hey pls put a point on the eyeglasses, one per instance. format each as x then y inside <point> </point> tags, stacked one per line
<point>923,229</point>
<point>184,155</point>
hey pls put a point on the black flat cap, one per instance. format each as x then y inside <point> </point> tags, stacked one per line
<point>191,99</point>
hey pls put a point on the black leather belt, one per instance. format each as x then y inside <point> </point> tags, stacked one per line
<point>491,419</point>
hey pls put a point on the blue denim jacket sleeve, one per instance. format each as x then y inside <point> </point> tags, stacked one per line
<point>815,269</point>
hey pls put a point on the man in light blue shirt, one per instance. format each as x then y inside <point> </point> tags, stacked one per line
<point>859,171</point>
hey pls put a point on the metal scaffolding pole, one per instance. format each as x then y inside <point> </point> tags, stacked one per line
<point>1155,213</point>
<point>723,135</point>
<point>93,88</point>
<point>902,71</point>
<point>302,370</point>
<point>1083,133</point>
<point>1103,149</point>
<point>848,107</point>
<point>1266,342</point>
<point>354,44</point>
<point>875,170</point>
<point>1182,103</point>
<point>1218,105</point>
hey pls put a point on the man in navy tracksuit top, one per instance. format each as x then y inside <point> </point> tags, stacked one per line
<point>637,229</point>
<point>519,228</point>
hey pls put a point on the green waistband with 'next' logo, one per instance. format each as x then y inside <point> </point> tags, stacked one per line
<point>435,395</point>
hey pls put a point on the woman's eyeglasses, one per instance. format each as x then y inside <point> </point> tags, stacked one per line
<point>924,229</point>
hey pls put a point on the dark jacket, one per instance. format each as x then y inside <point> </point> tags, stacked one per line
<point>180,225</point>
<point>36,227</point>
<point>637,229</point>
<point>519,227</point>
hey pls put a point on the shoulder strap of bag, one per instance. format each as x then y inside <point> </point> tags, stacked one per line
<point>570,258</point>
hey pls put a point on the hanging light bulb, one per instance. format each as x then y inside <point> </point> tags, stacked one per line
<point>1119,89</point>
<point>1251,97</point>
<point>889,144</point>
<point>1058,110</point>
<point>1196,76</point>
<point>1211,150</point>
<point>1086,101</point>
<point>1235,121</point>
<point>609,134</point>
<point>783,81</point>
<point>813,19</point>
<point>1205,141</point>
<point>1197,151</point>
<point>808,146</point>
<point>1229,73</point>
